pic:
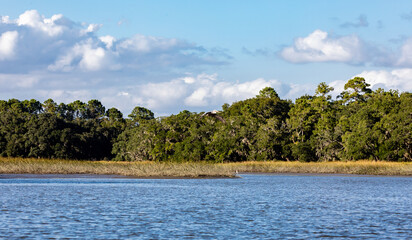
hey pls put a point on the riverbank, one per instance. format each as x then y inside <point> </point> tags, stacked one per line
<point>197,169</point>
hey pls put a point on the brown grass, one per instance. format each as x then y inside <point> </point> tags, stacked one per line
<point>197,169</point>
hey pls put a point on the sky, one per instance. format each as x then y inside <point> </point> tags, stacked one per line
<point>170,56</point>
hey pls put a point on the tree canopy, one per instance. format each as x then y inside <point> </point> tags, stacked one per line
<point>360,124</point>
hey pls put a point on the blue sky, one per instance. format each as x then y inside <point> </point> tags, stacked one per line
<point>170,56</point>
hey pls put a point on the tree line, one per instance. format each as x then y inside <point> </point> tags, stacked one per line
<point>49,130</point>
<point>359,124</point>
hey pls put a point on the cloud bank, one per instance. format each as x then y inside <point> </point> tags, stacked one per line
<point>34,42</point>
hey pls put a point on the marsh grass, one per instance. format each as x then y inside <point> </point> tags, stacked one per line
<point>364,167</point>
<point>197,169</point>
<point>132,169</point>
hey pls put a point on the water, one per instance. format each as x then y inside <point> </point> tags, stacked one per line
<point>253,207</point>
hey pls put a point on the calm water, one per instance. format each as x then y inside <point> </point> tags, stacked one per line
<point>253,207</point>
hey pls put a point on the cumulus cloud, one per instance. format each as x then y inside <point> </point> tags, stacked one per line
<point>33,42</point>
<point>34,20</point>
<point>320,47</point>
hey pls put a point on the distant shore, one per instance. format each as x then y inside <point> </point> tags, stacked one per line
<point>47,168</point>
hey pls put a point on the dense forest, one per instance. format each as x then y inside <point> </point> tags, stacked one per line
<point>359,124</point>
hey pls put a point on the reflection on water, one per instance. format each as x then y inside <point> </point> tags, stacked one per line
<point>255,206</point>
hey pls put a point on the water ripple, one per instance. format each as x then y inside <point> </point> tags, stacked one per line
<point>256,206</point>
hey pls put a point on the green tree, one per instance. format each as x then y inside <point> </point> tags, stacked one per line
<point>323,89</point>
<point>141,113</point>
<point>268,92</point>
<point>356,89</point>
<point>78,108</point>
<point>95,109</point>
<point>50,106</point>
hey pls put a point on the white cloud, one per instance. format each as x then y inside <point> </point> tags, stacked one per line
<point>398,79</point>
<point>34,20</point>
<point>319,47</point>
<point>198,98</point>
<point>93,59</point>
<point>162,95</point>
<point>8,41</point>
<point>108,40</point>
<point>231,92</point>
<point>201,92</point>
<point>189,80</point>
<point>91,28</point>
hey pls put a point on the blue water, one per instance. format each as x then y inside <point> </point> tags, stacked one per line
<point>253,207</point>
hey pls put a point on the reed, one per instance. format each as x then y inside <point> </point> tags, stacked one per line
<point>197,169</point>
